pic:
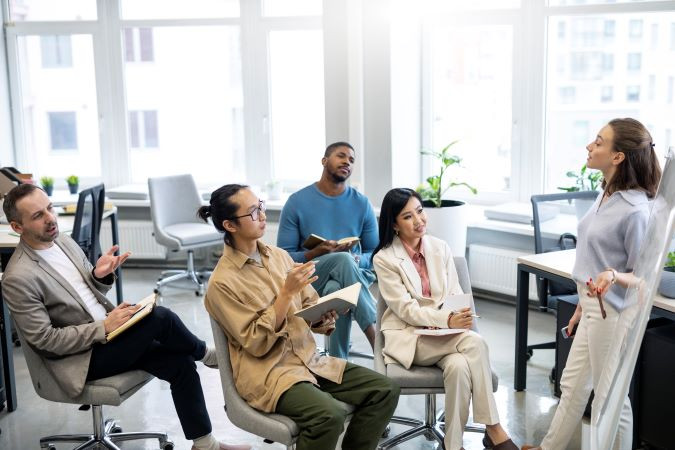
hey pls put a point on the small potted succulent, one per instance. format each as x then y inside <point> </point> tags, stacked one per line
<point>667,284</point>
<point>73,183</point>
<point>47,184</point>
<point>584,180</point>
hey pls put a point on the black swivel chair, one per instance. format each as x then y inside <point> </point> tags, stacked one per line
<point>549,293</point>
<point>88,218</point>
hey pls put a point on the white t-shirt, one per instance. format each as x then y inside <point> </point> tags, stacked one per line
<point>63,265</point>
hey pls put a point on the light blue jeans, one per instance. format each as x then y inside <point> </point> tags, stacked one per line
<point>337,271</point>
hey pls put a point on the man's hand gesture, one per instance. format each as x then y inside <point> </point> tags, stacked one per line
<point>108,262</point>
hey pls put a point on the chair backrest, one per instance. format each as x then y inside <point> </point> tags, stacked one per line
<point>88,218</point>
<point>550,209</point>
<point>173,199</point>
<point>44,383</point>
<point>274,427</point>
<point>544,204</point>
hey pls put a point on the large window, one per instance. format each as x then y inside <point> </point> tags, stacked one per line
<point>605,91</point>
<point>471,101</point>
<point>59,132</point>
<point>194,86</point>
<point>296,104</point>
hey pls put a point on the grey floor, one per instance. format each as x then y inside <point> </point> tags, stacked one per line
<point>525,415</point>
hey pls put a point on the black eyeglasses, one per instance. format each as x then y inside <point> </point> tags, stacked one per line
<point>255,214</point>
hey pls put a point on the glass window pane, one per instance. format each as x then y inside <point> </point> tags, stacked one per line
<point>63,130</point>
<point>292,7</point>
<point>468,5</point>
<point>297,109</point>
<point>590,2</point>
<point>185,106</point>
<point>625,74</point>
<point>56,51</point>
<point>179,9</point>
<point>48,10</point>
<point>471,95</point>
<point>59,112</point>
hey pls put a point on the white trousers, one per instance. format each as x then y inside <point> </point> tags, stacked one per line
<point>465,361</point>
<point>582,372</point>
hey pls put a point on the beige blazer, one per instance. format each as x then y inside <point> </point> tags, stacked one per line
<point>401,288</point>
<point>51,316</point>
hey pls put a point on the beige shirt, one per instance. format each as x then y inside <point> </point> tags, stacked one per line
<point>265,362</point>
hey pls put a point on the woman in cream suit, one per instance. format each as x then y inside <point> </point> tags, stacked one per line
<point>415,275</point>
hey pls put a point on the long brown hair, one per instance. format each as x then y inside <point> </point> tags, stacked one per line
<point>640,168</point>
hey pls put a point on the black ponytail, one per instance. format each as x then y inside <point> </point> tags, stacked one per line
<point>221,208</point>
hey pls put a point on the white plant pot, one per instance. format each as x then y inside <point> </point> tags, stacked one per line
<point>449,223</point>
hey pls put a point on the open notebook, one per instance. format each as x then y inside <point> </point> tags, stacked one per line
<point>451,303</point>
<point>148,303</point>
<point>339,301</point>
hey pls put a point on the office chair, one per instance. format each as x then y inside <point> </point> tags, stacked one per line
<point>174,201</point>
<point>88,218</point>
<point>105,391</point>
<point>420,380</point>
<point>270,426</point>
<point>545,208</point>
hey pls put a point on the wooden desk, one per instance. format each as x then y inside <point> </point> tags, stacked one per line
<point>554,266</point>
<point>8,242</point>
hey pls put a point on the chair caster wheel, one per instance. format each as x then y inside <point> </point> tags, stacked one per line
<point>116,429</point>
<point>156,291</point>
<point>198,293</point>
<point>168,445</point>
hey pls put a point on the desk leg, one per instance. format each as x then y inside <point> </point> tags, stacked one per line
<point>522,291</point>
<point>118,271</point>
<point>7,357</point>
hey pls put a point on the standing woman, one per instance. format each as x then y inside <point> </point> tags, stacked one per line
<point>416,273</point>
<point>608,241</point>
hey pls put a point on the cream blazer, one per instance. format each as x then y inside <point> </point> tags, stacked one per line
<point>401,288</point>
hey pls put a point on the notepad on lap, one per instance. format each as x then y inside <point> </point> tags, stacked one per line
<point>148,303</point>
<point>439,332</point>
<point>314,239</point>
<point>339,301</point>
<point>457,302</point>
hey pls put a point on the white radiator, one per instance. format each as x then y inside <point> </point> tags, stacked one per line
<point>135,237</point>
<point>495,269</point>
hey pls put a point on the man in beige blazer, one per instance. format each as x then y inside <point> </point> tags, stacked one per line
<point>57,299</point>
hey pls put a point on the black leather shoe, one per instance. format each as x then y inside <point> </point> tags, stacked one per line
<point>506,445</point>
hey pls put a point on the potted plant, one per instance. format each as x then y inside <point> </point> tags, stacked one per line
<point>584,180</point>
<point>73,183</point>
<point>667,284</point>
<point>447,218</point>
<point>47,184</point>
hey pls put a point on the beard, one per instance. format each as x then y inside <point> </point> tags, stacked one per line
<point>337,178</point>
<point>43,237</point>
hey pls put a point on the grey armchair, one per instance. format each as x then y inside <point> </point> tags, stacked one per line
<point>174,201</point>
<point>420,380</point>
<point>272,427</point>
<point>105,391</point>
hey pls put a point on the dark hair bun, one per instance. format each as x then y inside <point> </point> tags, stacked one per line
<point>204,212</point>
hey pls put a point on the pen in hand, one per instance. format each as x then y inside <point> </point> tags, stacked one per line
<point>472,314</point>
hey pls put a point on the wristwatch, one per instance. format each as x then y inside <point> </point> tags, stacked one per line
<point>609,269</point>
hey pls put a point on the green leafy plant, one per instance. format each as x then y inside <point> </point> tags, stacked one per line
<point>670,259</point>
<point>584,180</point>
<point>72,180</point>
<point>47,181</point>
<point>434,188</point>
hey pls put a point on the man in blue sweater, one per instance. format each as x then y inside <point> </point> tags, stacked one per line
<point>333,210</point>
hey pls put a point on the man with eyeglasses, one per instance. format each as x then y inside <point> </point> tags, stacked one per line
<point>331,209</point>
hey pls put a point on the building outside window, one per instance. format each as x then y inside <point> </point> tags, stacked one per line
<point>56,51</point>
<point>63,130</point>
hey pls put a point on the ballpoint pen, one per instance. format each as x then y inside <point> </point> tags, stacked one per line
<point>472,314</point>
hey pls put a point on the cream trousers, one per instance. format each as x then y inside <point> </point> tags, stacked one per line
<point>582,371</point>
<point>465,362</point>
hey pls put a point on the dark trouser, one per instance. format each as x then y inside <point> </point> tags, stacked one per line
<point>161,345</point>
<point>321,418</point>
